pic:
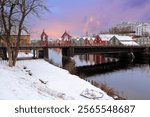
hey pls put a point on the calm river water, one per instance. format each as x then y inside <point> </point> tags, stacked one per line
<point>131,79</point>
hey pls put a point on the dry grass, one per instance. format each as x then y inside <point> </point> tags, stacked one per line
<point>110,91</point>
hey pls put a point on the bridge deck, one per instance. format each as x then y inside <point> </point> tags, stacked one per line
<point>70,50</point>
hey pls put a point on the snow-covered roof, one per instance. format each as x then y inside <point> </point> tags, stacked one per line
<point>129,43</point>
<point>106,37</point>
<point>126,40</point>
<point>123,38</point>
<point>59,39</point>
<point>88,38</point>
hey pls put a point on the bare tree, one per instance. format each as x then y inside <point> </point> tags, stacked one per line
<point>13,17</point>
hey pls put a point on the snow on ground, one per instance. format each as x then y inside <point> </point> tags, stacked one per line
<point>39,80</point>
<point>22,55</point>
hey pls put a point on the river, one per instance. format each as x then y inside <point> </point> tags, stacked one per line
<point>130,79</point>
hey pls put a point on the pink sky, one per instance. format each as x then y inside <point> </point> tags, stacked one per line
<point>92,16</point>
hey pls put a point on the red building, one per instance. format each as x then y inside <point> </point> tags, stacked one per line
<point>99,41</point>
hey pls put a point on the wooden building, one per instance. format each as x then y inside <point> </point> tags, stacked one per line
<point>122,40</point>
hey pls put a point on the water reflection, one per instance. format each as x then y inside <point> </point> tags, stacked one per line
<point>130,79</point>
<point>133,83</point>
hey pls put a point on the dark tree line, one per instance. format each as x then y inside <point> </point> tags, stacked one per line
<point>121,30</point>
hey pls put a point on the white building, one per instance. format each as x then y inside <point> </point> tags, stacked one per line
<point>143,29</point>
<point>140,28</point>
<point>143,41</point>
<point>131,25</point>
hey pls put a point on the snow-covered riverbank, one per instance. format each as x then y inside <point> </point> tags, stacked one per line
<point>39,80</point>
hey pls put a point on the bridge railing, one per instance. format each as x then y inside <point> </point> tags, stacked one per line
<point>66,45</point>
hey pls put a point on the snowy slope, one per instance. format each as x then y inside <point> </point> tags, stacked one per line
<point>44,82</point>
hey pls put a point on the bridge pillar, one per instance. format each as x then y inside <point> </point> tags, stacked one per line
<point>147,51</point>
<point>46,53</point>
<point>68,51</point>
<point>34,52</point>
<point>69,64</point>
<point>3,53</point>
<point>41,53</point>
<point>131,55</point>
<point>37,53</point>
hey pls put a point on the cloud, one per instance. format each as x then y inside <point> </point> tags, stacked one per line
<point>93,16</point>
<point>137,3</point>
<point>91,24</point>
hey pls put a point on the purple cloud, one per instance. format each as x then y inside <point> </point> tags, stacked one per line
<point>93,16</point>
<point>137,3</point>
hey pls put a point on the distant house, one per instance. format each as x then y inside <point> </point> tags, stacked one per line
<point>105,38</point>
<point>114,41</point>
<point>24,38</point>
<point>102,39</point>
<point>143,41</point>
<point>24,41</point>
<point>86,42</point>
<point>99,41</point>
<point>122,40</point>
<point>91,40</point>
<point>81,41</point>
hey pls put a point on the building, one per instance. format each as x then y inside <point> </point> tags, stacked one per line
<point>143,41</point>
<point>122,40</point>
<point>97,41</point>
<point>24,41</point>
<point>133,28</point>
<point>105,38</point>
<point>88,40</point>
<point>143,29</point>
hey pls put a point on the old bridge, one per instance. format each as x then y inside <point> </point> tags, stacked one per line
<point>39,50</point>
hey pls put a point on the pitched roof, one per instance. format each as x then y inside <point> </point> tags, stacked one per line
<point>106,37</point>
<point>128,43</point>
<point>44,34</point>
<point>124,38</point>
<point>65,34</point>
